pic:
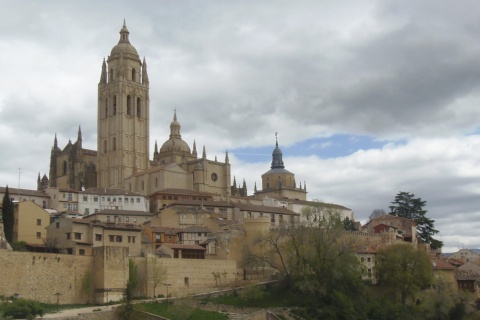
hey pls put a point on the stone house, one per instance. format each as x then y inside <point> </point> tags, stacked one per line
<point>63,199</point>
<point>79,236</point>
<point>181,251</point>
<point>405,228</point>
<point>162,198</point>
<point>20,195</point>
<point>30,223</point>
<point>120,216</point>
<point>466,255</point>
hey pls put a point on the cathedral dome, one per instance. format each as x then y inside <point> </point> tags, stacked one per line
<point>175,143</point>
<point>124,45</point>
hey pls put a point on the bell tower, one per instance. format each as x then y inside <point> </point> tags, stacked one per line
<point>123,115</point>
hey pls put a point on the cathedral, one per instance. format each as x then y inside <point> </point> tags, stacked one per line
<point>122,158</point>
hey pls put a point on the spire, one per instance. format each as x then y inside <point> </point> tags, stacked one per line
<point>124,34</point>
<point>255,187</point>
<point>215,158</point>
<point>38,179</point>
<point>55,143</point>
<point>227,160</point>
<point>277,161</point>
<point>144,72</point>
<point>103,75</point>
<point>300,186</point>
<point>234,181</point>
<point>194,152</point>
<point>204,155</point>
<point>304,186</point>
<point>175,127</point>
<point>79,134</point>
<point>155,152</point>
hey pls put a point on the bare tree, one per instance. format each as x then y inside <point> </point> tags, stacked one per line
<point>159,273</point>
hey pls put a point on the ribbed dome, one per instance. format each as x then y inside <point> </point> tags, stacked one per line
<point>124,45</point>
<point>175,143</point>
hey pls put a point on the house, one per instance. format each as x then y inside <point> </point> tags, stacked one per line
<point>162,198</point>
<point>468,278</point>
<point>79,236</point>
<point>279,216</point>
<point>159,235</point>
<point>94,200</point>
<point>367,254</point>
<point>181,251</point>
<point>62,199</point>
<point>466,255</point>
<point>30,222</point>
<point>193,235</point>
<point>444,271</point>
<point>120,216</point>
<point>406,228</point>
<point>20,195</point>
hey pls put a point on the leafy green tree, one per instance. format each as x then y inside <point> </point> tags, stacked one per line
<point>126,311</point>
<point>407,206</point>
<point>404,270</point>
<point>8,218</point>
<point>349,224</point>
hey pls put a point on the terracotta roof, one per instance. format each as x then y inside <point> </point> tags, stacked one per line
<point>184,246</point>
<point>108,225</point>
<point>440,263</point>
<point>198,203</point>
<point>121,213</point>
<point>265,209</point>
<point>26,192</point>
<point>110,192</point>
<point>194,229</point>
<point>366,249</point>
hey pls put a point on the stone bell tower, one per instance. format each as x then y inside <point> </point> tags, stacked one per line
<point>123,115</point>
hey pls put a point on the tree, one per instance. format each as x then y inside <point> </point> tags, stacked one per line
<point>407,206</point>
<point>8,218</point>
<point>349,224</point>
<point>403,269</point>
<point>126,312</point>
<point>159,273</point>
<point>376,213</point>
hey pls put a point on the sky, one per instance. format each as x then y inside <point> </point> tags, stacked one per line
<point>369,98</point>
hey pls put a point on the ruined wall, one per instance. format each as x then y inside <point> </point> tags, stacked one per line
<point>38,276</point>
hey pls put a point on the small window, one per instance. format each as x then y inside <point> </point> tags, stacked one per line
<point>138,200</point>
<point>81,252</point>
<point>187,281</point>
<point>95,199</point>
<point>114,105</point>
<point>138,108</point>
<point>368,259</point>
<point>39,235</point>
<point>129,105</point>
<point>127,219</point>
<point>96,210</point>
<point>39,222</point>
<point>114,199</point>
<point>126,200</point>
<point>68,236</point>
<point>78,236</point>
<point>85,198</point>
<point>131,239</point>
<point>57,225</point>
<point>119,199</point>
<point>65,167</point>
<point>135,219</point>
<point>111,238</point>
<point>108,218</point>
<point>134,75</point>
<point>98,237</point>
<point>118,239</point>
<point>87,211</point>
<point>108,199</point>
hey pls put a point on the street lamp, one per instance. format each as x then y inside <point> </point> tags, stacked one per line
<point>167,285</point>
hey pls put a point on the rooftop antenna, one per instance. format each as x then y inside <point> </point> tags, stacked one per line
<point>19,174</point>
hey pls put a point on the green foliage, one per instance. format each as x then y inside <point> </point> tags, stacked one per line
<point>19,246</point>
<point>8,216</point>
<point>404,270</point>
<point>407,206</point>
<point>126,312</point>
<point>22,309</point>
<point>87,281</point>
<point>349,224</point>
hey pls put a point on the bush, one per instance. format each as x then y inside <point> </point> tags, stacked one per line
<point>22,309</point>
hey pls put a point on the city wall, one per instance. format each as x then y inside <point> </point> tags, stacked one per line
<point>40,276</point>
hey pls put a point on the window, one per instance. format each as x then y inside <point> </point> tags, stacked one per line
<point>164,197</point>
<point>114,105</point>
<point>119,199</point>
<point>362,259</point>
<point>143,185</point>
<point>368,259</point>
<point>96,210</point>
<point>108,218</point>
<point>39,222</point>
<point>156,182</point>
<point>187,280</point>
<point>106,107</point>
<point>57,225</point>
<point>68,236</point>
<point>78,236</point>
<point>114,199</point>
<point>81,252</point>
<point>111,238</point>
<point>69,197</point>
<point>64,167</point>
<point>129,105</point>
<point>64,205</point>
<point>131,239</point>
<point>103,198</point>
<point>74,207</point>
<point>135,220</point>
<point>44,204</point>
<point>95,199</point>
<point>127,219</point>
<point>87,211</point>
<point>134,75</point>
<point>114,144</point>
<point>108,199</point>
<point>138,107</point>
<point>118,238</point>
<point>39,235</point>
<point>85,198</point>
<point>111,78</point>
<point>126,200</point>
<point>138,200</point>
<point>199,234</point>
<point>64,195</point>
<point>98,237</point>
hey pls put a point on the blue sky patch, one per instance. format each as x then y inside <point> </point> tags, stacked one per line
<point>330,147</point>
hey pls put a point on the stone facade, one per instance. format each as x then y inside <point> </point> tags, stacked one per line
<point>30,223</point>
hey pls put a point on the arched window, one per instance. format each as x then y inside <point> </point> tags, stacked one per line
<point>65,167</point>
<point>114,142</point>
<point>129,105</point>
<point>104,146</point>
<point>134,75</point>
<point>138,107</point>
<point>143,185</point>
<point>156,182</point>
<point>110,78</point>
<point>106,107</point>
<point>114,105</point>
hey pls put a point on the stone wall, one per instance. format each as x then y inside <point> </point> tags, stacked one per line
<point>39,276</point>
